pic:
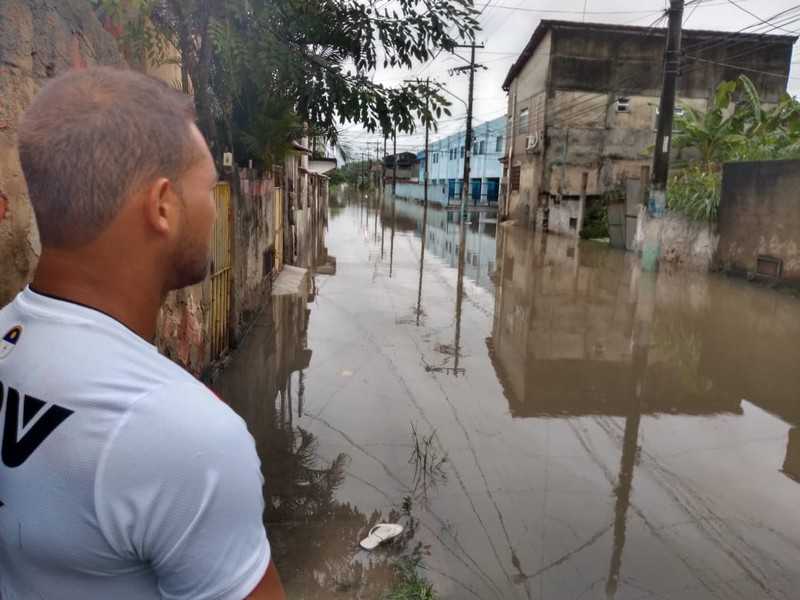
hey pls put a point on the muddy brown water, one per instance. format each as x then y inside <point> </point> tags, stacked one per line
<point>565,428</point>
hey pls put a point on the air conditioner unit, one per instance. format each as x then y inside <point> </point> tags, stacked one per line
<point>532,142</point>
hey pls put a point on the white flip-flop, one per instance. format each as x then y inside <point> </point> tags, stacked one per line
<point>382,532</point>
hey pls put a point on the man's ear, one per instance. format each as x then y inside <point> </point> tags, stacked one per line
<point>160,206</point>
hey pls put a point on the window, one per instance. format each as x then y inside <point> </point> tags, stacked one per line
<point>462,151</point>
<point>524,120</point>
<point>482,147</point>
<point>515,173</point>
<point>498,147</point>
<point>623,104</point>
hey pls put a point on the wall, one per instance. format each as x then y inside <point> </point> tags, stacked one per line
<point>681,242</point>
<point>760,215</point>
<point>254,245</point>
<point>527,91</point>
<point>39,39</point>
<point>437,192</point>
<point>621,60</point>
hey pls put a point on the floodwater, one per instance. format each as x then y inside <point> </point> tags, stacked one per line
<point>547,422</point>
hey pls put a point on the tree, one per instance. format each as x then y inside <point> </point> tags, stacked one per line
<point>251,63</point>
<point>736,126</point>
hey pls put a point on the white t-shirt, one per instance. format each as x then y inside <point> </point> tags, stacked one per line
<point>122,477</point>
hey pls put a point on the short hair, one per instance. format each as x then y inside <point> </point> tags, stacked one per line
<point>90,139</point>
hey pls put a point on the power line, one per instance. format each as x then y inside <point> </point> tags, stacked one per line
<point>703,46</point>
<point>752,14</point>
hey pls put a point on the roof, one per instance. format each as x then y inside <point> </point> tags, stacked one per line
<point>547,25</point>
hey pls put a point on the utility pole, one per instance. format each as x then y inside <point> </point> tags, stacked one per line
<point>672,63</point>
<point>468,141</point>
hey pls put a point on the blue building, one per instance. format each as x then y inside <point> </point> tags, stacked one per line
<point>446,172</point>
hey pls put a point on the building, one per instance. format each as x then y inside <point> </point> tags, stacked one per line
<point>583,102</point>
<point>407,167</point>
<point>446,169</point>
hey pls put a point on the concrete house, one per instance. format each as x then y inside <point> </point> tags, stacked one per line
<point>583,102</point>
<point>446,168</point>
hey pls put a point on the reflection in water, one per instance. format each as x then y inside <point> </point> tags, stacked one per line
<point>444,235</point>
<point>394,225</point>
<point>313,536</point>
<point>580,331</point>
<point>626,435</point>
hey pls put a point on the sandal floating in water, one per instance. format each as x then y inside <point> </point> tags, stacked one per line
<point>382,532</point>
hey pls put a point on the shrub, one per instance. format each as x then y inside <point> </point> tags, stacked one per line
<point>695,192</point>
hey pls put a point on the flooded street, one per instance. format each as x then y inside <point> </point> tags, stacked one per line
<point>554,424</point>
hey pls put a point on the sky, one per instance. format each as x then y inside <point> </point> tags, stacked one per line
<point>507,25</point>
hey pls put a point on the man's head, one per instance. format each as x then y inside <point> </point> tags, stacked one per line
<point>113,157</point>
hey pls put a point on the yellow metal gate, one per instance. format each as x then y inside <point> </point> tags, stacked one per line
<point>221,272</point>
<point>278,230</point>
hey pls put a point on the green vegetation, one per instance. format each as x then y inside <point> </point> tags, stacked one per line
<point>595,221</point>
<point>736,127</point>
<point>263,70</point>
<point>695,193</point>
<point>410,585</point>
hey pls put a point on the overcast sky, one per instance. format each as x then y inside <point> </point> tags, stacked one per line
<point>507,26</point>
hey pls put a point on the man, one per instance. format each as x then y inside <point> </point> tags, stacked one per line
<point>122,477</point>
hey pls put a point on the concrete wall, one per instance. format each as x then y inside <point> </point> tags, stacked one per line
<point>760,215</point>
<point>254,239</point>
<point>681,242</point>
<point>527,91</point>
<point>437,193</point>
<point>627,60</point>
<point>39,39</point>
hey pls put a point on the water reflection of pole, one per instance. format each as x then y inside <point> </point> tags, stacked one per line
<point>394,212</point>
<point>383,191</point>
<point>376,201</point>
<point>630,442</point>
<point>460,291</point>
<point>301,396</point>
<point>425,199</point>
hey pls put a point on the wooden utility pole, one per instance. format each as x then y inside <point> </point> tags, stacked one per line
<point>672,63</point>
<point>465,187</point>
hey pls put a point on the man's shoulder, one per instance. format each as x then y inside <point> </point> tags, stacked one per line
<point>187,407</point>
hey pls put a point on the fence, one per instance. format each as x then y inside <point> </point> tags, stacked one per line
<point>221,272</point>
